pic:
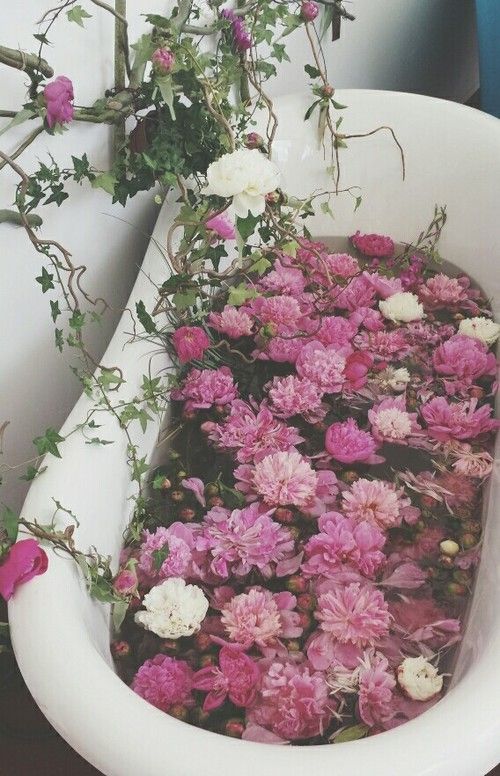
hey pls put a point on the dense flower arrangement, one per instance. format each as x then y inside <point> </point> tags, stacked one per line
<point>303,575</point>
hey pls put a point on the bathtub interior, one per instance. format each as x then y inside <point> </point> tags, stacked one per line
<point>436,137</point>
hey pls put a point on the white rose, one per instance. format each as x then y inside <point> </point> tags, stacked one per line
<point>173,609</point>
<point>402,306</point>
<point>418,679</point>
<point>247,176</point>
<point>481,328</point>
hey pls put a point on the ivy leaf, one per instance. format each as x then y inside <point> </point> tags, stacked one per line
<point>106,181</point>
<point>260,265</point>
<point>310,110</point>
<point>311,71</point>
<point>159,556</point>
<point>233,498</point>
<point>55,311</point>
<point>353,733</point>
<point>358,203</point>
<point>9,521</point>
<point>97,441</point>
<point>77,320</point>
<point>20,117</point>
<point>108,378</point>
<point>238,295</point>
<point>32,472</point>
<point>119,612</point>
<point>184,299</point>
<point>59,339</point>
<point>167,92</point>
<point>144,317</point>
<point>48,443</point>
<point>78,14</point>
<point>45,280</point>
<point>246,226</point>
<point>290,248</point>
<point>81,167</point>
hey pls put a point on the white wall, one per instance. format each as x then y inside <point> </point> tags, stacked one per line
<point>411,45</point>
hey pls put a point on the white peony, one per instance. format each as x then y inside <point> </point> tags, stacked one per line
<point>173,609</point>
<point>397,379</point>
<point>247,176</point>
<point>418,678</point>
<point>402,306</point>
<point>481,328</point>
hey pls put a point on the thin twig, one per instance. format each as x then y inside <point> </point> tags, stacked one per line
<point>24,145</point>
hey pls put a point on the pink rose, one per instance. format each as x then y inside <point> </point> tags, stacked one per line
<point>58,96</point>
<point>25,560</point>
<point>163,60</point>
<point>190,342</point>
<point>373,244</point>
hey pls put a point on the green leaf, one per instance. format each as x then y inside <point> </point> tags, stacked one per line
<point>78,14</point>
<point>106,181</point>
<point>9,521</point>
<point>358,203</point>
<point>311,71</point>
<point>48,443</point>
<point>45,280</point>
<point>4,630</point>
<point>338,105</point>
<point>246,226</point>
<point>159,556</point>
<point>98,441</point>
<point>238,295</point>
<point>59,339</point>
<point>32,472</point>
<point>20,117</point>
<point>184,299</point>
<point>145,318</point>
<point>260,265</point>
<point>232,498</point>
<point>353,733</point>
<point>77,320</point>
<point>55,312</point>
<point>310,110</point>
<point>119,612</point>
<point>41,38</point>
<point>164,84</point>
<point>290,248</point>
<point>109,378</point>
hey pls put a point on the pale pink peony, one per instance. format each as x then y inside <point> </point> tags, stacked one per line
<point>24,560</point>
<point>163,60</point>
<point>368,318</point>
<point>164,682</point>
<point>323,365</point>
<point>283,349</point>
<point>293,395</point>
<point>293,701</point>
<point>190,342</point>
<point>373,245</point>
<point>376,683</point>
<point>261,617</point>
<point>383,286</point>
<point>280,310</point>
<point>340,543</point>
<point>284,280</point>
<point>441,291</point>
<point>243,540</point>
<point>232,321</point>
<point>58,97</point>
<point>236,677</point>
<point>464,359</point>
<point>283,479</point>
<point>203,388</point>
<point>253,432</point>
<point>354,614</point>
<point>333,266</point>
<point>460,420</point>
<point>222,226</point>
<point>378,502</point>
<point>177,542</point>
<point>391,422</point>
<point>347,443</point>
<point>423,621</point>
<point>384,345</point>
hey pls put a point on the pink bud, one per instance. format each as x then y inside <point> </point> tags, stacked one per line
<point>125,582</point>
<point>163,61</point>
<point>309,11</point>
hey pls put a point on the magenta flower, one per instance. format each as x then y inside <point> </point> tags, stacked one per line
<point>373,245</point>
<point>335,330</point>
<point>442,291</point>
<point>283,311</point>
<point>322,365</point>
<point>190,342</point>
<point>242,40</point>
<point>284,280</point>
<point>358,292</point>
<point>354,614</point>
<point>169,552</point>
<point>460,420</point>
<point>163,60</point>
<point>357,367</point>
<point>347,443</point>
<point>236,677</point>
<point>24,560</point>
<point>58,99</point>
<point>293,702</point>
<point>232,321</point>
<point>222,225</point>
<point>204,388</point>
<point>464,359</point>
<point>164,682</point>
<point>309,11</point>
<point>342,543</point>
<point>293,395</point>
<point>376,683</point>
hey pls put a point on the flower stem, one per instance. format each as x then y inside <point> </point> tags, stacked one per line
<point>120,68</point>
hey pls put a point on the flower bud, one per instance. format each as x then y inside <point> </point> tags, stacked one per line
<point>297,584</point>
<point>177,496</point>
<point>179,712</point>
<point>215,501</point>
<point>120,649</point>
<point>284,515</point>
<point>306,602</point>
<point>234,728</point>
<point>453,588</point>
<point>449,547</point>
<point>125,583</point>
<point>163,61</point>
<point>254,140</point>
<point>468,541</point>
<point>187,514</point>
<point>166,484</point>
<point>309,11</point>
<point>203,641</point>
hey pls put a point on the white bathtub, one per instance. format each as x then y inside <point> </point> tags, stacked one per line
<point>61,637</point>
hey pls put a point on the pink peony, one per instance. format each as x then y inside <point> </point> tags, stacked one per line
<point>236,677</point>
<point>242,40</point>
<point>58,100</point>
<point>331,267</point>
<point>222,226</point>
<point>354,614</point>
<point>233,322</point>
<point>24,560</point>
<point>423,621</point>
<point>203,388</point>
<point>335,330</point>
<point>459,420</point>
<point>293,701</point>
<point>283,349</point>
<point>283,479</point>
<point>168,552</point>
<point>260,617</point>
<point>376,683</point>
<point>373,245</point>
<point>322,365</point>
<point>342,542</point>
<point>368,318</point>
<point>253,432</point>
<point>244,539</point>
<point>384,345</point>
<point>164,682</point>
<point>284,280</point>
<point>442,291</point>
<point>356,370</point>
<point>464,359</point>
<point>280,310</point>
<point>378,502</point>
<point>391,422</point>
<point>190,342</point>
<point>470,463</point>
<point>347,443</point>
<point>358,292</point>
<point>293,395</point>
<point>163,60</point>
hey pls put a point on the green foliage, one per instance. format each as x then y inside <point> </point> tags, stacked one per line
<point>353,733</point>
<point>78,14</point>
<point>239,294</point>
<point>159,557</point>
<point>48,443</point>
<point>9,522</point>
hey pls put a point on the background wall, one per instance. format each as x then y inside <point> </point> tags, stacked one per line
<point>425,46</point>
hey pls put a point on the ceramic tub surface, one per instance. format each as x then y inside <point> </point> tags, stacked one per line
<point>61,638</point>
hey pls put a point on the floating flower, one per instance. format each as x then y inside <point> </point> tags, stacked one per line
<point>256,617</point>
<point>335,330</point>
<point>354,614</point>
<point>168,552</point>
<point>373,245</point>
<point>419,679</point>
<point>294,395</point>
<point>203,388</point>
<point>357,367</point>
<point>282,479</point>
<point>58,97</point>
<point>282,311</point>
<point>458,420</point>
<point>402,307</point>
<point>323,365</point>
<point>164,682</point>
<point>190,342</point>
<point>471,463</point>
<point>236,677</point>
<point>464,359</point>
<point>378,502</point>
<point>283,280</point>
<point>247,176</point>
<point>481,328</point>
<point>376,683</point>
<point>347,443</point>
<point>232,321</point>
<point>396,379</point>
<point>173,609</point>
<point>391,422</point>
<point>441,291</point>
<point>24,560</point>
